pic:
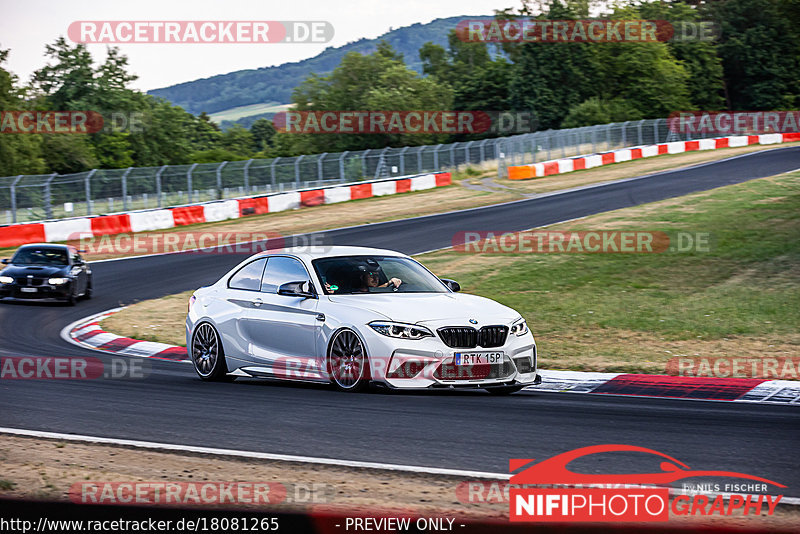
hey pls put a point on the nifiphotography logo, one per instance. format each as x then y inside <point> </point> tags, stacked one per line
<point>628,497</point>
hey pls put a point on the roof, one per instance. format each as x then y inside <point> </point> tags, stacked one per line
<point>50,245</point>
<point>322,251</point>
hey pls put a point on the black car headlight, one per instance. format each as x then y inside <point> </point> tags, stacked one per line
<point>6,280</point>
<point>519,328</point>
<point>400,330</point>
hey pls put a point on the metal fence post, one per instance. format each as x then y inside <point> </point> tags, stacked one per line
<point>189,180</point>
<point>453,155</point>
<point>364,163</point>
<point>48,205</point>
<point>88,188</point>
<point>624,133</point>
<point>483,149</point>
<point>219,179</point>
<point>639,128</point>
<point>246,172</point>
<point>14,197</point>
<point>419,158</point>
<point>125,188</point>
<point>319,165</point>
<point>655,132</point>
<point>342,174</point>
<point>158,184</point>
<point>466,152</point>
<point>436,157</point>
<point>272,172</point>
<point>297,161</point>
<point>381,162</point>
<point>403,160</point>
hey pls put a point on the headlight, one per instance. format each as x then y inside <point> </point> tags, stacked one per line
<point>6,280</point>
<point>57,281</point>
<point>401,330</point>
<point>519,328</point>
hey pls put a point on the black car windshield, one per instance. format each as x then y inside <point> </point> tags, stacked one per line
<point>356,275</point>
<point>40,256</point>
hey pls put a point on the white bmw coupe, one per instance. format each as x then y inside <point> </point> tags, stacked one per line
<point>352,316</point>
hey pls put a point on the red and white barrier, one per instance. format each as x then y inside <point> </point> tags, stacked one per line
<point>561,166</point>
<point>222,210</point>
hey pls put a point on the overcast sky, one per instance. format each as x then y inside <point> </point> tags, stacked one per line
<point>27,25</point>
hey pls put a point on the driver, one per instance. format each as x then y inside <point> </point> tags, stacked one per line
<point>371,278</point>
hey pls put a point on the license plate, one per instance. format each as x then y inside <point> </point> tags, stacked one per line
<point>28,289</point>
<point>478,358</point>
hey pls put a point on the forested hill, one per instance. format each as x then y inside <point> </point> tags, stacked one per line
<point>275,84</point>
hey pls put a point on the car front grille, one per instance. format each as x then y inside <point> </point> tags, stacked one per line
<point>451,371</point>
<point>35,281</point>
<point>466,337</point>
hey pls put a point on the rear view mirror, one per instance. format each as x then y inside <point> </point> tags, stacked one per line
<point>302,289</point>
<point>452,284</point>
<point>5,261</point>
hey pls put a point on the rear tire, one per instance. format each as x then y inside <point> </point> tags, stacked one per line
<point>207,355</point>
<point>504,390</point>
<point>348,364</point>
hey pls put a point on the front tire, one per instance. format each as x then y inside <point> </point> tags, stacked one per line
<point>88,294</point>
<point>207,354</point>
<point>348,364</point>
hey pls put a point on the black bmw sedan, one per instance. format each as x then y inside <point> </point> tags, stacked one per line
<point>46,271</point>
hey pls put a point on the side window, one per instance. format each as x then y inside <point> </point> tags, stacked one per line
<point>249,276</point>
<point>280,270</point>
<point>76,259</point>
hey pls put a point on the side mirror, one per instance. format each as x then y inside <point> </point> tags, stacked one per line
<point>452,284</point>
<point>302,289</point>
<point>5,261</point>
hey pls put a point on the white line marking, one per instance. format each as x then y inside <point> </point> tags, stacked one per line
<point>254,455</point>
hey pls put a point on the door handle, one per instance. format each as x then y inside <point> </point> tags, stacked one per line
<point>257,303</point>
<point>320,317</point>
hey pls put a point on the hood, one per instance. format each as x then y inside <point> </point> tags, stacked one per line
<point>42,271</point>
<point>436,309</point>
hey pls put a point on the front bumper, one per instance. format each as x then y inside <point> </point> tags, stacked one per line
<point>41,292</point>
<point>429,363</point>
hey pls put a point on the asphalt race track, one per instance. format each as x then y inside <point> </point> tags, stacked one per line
<point>460,430</point>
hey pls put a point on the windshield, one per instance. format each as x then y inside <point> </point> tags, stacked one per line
<point>41,256</point>
<point>353,275</point>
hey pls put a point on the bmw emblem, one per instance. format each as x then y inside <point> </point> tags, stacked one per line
<point>473,321</point>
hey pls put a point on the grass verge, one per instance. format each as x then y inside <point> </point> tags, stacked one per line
<point>628,312</point>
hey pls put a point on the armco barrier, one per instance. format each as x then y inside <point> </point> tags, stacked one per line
<point>561,166</point>
<point>160,219</point>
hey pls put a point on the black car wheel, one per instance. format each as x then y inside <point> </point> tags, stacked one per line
<point>207,354</point>
<point>88,293</point>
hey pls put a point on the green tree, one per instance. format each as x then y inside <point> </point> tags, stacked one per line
<point>760,52</point>
<point>19,153</point>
